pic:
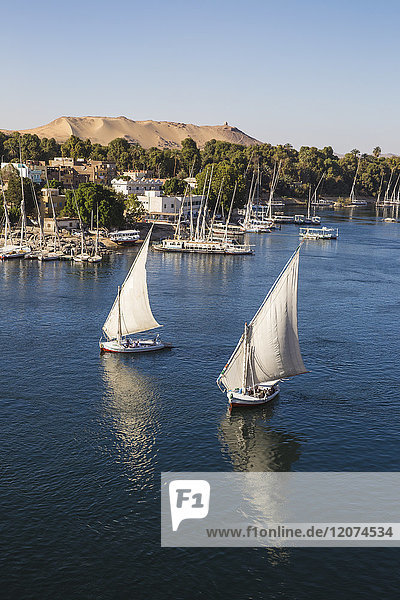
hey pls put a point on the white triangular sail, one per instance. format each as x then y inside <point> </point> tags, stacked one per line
<point>269,349</point>
<point>131,312</point>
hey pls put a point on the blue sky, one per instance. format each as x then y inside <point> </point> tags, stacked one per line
<point>306,72</point>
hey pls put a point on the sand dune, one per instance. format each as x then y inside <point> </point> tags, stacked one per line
<point>162,134</point>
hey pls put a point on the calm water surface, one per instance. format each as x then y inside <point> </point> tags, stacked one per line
<point>85,437</point>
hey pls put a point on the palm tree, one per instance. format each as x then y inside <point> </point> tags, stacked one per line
<point>376,152</point>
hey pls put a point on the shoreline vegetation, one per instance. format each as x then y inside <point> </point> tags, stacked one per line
<point>233,165</point>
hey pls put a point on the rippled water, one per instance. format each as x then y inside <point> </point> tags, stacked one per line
<point>85,437</point>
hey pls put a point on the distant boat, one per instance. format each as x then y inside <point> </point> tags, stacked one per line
<point>318,233</point>
<point>131,312</point>
<point>269,349</point>
<point>125,237</point>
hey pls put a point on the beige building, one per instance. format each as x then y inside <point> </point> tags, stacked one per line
<point>68,223</point>
<point>45,203</point>
<point>73,171</point>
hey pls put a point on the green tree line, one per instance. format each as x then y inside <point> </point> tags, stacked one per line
<point>233,165</point>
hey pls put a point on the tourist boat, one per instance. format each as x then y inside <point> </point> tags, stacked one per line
<point>254,225</point>
<point>318,233</point>
<point>269,349</point>
<point>282,219</point>
<point>131,312</point>
<point>126,237</point>
<point>203,246</point>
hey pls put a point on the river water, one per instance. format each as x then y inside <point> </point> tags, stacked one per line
<point>85,437</point>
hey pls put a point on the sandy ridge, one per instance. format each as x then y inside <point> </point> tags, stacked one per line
<point>162,134</point>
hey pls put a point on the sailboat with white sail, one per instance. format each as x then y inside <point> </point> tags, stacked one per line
<point>269,349</point>
<point>131,312</point>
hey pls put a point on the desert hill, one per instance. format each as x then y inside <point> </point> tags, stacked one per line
<point>162,134</point>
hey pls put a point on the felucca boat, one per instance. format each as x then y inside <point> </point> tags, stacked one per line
<point>269,349</point>
<point>131,312</point>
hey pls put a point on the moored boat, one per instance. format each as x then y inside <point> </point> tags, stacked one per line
<point>318,233</point>
<point>125,237</point>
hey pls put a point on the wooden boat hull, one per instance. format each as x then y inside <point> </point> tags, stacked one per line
<point>48,258</point>
<point>237,399</point>
<point>142,346</point>
<point>9,256</point>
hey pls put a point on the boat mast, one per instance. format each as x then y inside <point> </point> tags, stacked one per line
<point>7,225</point>
<point>210,233</point>
<point>177,234</point>
<point>96,243</point>
<point>56,233</point>
<point>203,226</point>
<point>191,216</point>
<point>41,233</point>
<point>386,198</point>
<point>23,215</point>
<point>378,200</point>
<point>393,195</point>
<point>273,184</point>
<point>353,187</point>
<point>80,221</point>
<point>245,358</point>
<point>119,338</point>
<point>229,215</point>
<point>249,204</point>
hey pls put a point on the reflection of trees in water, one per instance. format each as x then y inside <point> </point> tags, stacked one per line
<point>252,445</point>
<point>131,411</point>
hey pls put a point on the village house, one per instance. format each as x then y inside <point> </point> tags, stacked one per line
<point>47,195</point>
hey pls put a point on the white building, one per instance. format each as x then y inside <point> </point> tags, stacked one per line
<point>136,186</point>
<point>34,175</point>
<point>156,204</point>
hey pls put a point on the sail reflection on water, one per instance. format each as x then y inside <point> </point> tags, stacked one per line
<point>131,409</point>
<point>252,445</point>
